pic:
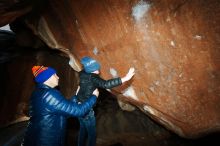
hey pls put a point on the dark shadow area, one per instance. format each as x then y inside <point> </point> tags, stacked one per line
<point>121,128</point>
<point>116,127</point>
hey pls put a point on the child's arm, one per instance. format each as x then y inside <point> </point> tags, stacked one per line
<point>74,98</point>
<point>108,84</point>
<point>77,90</point>
<point>129,75</point>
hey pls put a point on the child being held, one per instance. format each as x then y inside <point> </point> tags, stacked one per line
<point>90,79</point>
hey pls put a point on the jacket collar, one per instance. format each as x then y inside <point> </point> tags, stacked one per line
<point>83,72</point>
<point>41,85</point>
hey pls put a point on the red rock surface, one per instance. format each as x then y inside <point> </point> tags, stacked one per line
<point>173,45</point>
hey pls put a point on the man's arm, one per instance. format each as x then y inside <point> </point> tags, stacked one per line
<point>55,102</point>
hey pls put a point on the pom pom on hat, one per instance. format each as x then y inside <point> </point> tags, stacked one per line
<point>42,73</point>
<point>89,64</point>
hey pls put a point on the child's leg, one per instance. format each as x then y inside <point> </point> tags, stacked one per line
<point>91,129</point>
<point>82,132</point>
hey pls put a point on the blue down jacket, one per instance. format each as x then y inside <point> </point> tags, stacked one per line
<point>48,112</point>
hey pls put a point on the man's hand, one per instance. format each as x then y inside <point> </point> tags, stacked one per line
<point>96,92</point>
<point>129,75</point>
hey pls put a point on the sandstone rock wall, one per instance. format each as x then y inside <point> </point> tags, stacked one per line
<point>173,44</point>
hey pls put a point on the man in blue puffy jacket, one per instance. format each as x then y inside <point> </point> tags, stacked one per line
<point>49,109</point>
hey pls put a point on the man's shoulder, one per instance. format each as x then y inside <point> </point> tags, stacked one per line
<point>52,92</point>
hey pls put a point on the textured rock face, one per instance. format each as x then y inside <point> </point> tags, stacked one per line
<point>174,46</point>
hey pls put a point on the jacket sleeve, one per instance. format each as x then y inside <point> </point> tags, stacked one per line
<point>56,103</point>
<point>106,84</point>
<point>73,99</point>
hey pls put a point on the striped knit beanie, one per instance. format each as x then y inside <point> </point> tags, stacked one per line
<point>42,73</point>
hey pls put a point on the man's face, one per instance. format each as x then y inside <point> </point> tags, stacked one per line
<point>53,81</point>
